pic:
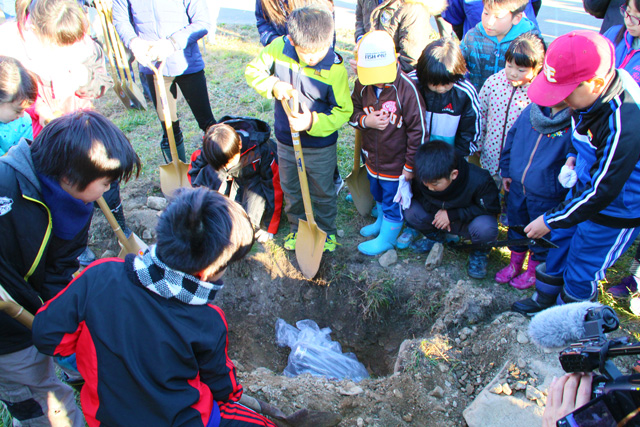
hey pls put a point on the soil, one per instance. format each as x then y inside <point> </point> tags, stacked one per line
<point>431,340</point>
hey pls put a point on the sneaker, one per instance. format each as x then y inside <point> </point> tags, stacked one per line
<point>478,261</point>
<point>339,184</point>
<point>331,243</point>
<point>290,241</point>
<point>407,236</point>
<point>86,257</point>
<point>626,286</point>
<point>422,246</point>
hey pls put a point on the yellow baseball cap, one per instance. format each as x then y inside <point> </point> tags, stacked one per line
<point>376,58</point>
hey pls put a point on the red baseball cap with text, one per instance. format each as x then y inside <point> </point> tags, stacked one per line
<point>570,60</point>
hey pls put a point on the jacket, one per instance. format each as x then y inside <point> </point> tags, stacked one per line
<point>540,144</point>
<point>605,138</point>
<point>268,30</point>
<point>454,116</point>
<point>607,10</point>
<point>34,264</point>
<point>485,54</point>
<point>471,194</point>
<point>324,88</point>
<point>182,22</point>
<point>170,369</point>
<point>391,150</point>
<point>626,57</point>
<point>468,13</point>
<point>501,104</point>
<point>11,133</point>
<point>406,21</point>
<point>256,178</point>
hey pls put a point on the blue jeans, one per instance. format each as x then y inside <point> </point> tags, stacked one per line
<point>383,192</point>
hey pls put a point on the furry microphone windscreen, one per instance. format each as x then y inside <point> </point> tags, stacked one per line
<point>561,325</point>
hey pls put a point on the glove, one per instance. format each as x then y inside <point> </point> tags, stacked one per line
<point>403,195</point>
<point>161,49</point>
<point>140,49</point>
<point>568,177</point>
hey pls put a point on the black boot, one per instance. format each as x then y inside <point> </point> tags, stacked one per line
<point>118,213</point>
<point>547,290</point>
<point>164,144</point>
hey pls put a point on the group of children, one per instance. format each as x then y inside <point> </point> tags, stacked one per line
<point>422,134</point>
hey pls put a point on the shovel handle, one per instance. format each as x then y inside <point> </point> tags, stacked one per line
<point>19,313</point>
<point>166,113</point>
<point>357,149</point>
<point>114,225</point>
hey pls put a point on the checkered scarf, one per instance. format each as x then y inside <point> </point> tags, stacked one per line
<point>160,279</point>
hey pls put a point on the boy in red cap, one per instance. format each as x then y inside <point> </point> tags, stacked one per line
<point>599,219</point>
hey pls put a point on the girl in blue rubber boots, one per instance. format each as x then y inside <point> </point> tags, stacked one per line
<point>389,110</point>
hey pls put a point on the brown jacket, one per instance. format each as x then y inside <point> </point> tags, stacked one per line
<point>407,21</point>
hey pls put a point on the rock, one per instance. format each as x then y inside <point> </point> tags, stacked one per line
<point>443,367</point>
<point>108,254</point>
<point>469,389</point>
<point>407,417</point>
<point>388,258</point>
<point>254,388</point>
<point>520,385</point>
<point>506,389</point>
<point>522,337</point>
<point>439,408</point>
<point>156,203</point>
<point>147,235</point>
<point>454,404</point>
<point>397,393</point>
<point>464,304</point>
<point>434,259</point>
<point>497,389</point>
<point>360,422</point>
<point>437,392</point>
<point>464,333</point>
<point>351,390</point>
<point>522,363</point>
<point>533,393</point>
<point>634,305</point>
<point>340,233</point>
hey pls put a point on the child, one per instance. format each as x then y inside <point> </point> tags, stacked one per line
<point>168,293</point>
<point>484,46</point>
<point>389,110</point>
<point>47,192</point>
<point>504,96</point>
<point>625,39</point>
<point>243,166</point>
<point>453,196</point>
<point>18,90</point>
<point>305,62</point>
<point>599,219</point>
<point>533,155</point>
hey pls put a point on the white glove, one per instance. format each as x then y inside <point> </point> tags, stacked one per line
<point>404,194</point>
<point>140,49</point>
<point>161,49</point>
<point>568,177</point>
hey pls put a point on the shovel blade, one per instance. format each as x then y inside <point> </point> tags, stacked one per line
<point>174,176</point>
<point>135,245</point>
<point>358,183</point>
<point>309,247</point>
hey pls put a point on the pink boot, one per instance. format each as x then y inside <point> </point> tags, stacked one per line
<point>528,278</point>
<point>513,269</point>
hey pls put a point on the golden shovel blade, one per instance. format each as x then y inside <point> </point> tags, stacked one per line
<point>174,176</point>
<point>359,186</point>
<point>135,245</point>
<point>309,248</point>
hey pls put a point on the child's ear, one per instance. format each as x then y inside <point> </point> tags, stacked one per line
<point>598,84</point>
<point>454,174</point>
<point>290,40</point>
<point>517,17</point>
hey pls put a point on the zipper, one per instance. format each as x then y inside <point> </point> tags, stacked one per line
<point>504,128</point>
<point>47,234</point>
<point>524,174</point>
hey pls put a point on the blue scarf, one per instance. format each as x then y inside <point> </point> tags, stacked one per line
<point>69,215</point>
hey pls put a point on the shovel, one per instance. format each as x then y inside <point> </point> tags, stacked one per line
<point>174,174</point>
<point>526,241</point>
<point>300,418</point>
<point>132,245</point>
<point>358,181</point>
<point>310,240</point>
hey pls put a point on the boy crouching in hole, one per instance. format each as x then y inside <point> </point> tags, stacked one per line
<point>149,342</point>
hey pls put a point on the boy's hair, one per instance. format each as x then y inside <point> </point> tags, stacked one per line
<point>441,63</point>
<point>220,144</point>
<point>514,6</point>
<point>434,160</point>
<point>16,82</point>
<point>81,147</point>
<point>62,22</point>
<point>527,50</point>
<point>202,231</point>
<point>311,27</point>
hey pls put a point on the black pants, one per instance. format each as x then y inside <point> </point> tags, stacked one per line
<point>193,88</point>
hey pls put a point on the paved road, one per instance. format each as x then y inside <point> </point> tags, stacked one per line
<point>556,17</point>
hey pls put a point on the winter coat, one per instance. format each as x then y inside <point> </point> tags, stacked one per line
<point>254,182</point>
<point>471,194</point>
<point>406,21</point>
<point>323,88</point>
<point>501,104</point>
<point>485,54</point>
<point>182,22</point>
<point>34,263</point>
<point>607,10</point>
<point>626,56</point>
<point>469,13</point>
<point>454,116</point>
<point>536,149</point>
<point>391,150</point>
<point>605,137</point>
<point>11,133</point>
<point>163,363</point>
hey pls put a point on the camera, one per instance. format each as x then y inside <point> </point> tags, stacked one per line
<point>615,397</point>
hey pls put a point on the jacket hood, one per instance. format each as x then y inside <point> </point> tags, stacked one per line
<point>19,158</point>
<point>543,123</point>
<point>524,26</point>
<point>435,7</point>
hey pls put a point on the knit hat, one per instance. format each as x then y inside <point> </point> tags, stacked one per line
<point>571,59</point>
<point>376,58</point>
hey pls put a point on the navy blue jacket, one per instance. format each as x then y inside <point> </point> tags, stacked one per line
<point>469,13</point>
<point>268,30</point>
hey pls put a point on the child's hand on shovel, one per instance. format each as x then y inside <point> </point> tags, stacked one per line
<point>301,121</point>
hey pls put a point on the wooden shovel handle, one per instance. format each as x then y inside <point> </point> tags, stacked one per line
<point>114,224</point>
<point>357,149</point>
<point>166,113</point>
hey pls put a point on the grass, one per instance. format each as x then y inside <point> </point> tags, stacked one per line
<point>377,296</point>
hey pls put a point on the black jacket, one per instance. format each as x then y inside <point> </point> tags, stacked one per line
<point>34,264</point>
<point>471,194</point>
